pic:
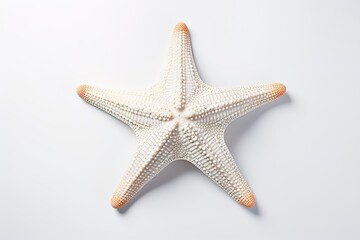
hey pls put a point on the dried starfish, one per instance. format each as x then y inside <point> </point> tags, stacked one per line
<point>181,118</point>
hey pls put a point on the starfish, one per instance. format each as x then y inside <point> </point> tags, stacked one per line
<point>181,118</point>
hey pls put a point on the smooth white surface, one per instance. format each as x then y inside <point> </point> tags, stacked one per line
<point>61,159</point>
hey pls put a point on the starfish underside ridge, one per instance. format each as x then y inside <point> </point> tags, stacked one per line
<point>181,118</point>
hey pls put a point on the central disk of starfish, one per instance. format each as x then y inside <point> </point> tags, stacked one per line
<point>181,117</point>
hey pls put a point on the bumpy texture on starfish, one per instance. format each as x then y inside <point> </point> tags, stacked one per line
<point>181,118</point>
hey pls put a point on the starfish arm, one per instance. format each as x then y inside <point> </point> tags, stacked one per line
<point>155,152</point>
<point>181,79</point>
<point>208,152</point>
<point>135,109</point>
<point>225,105</point>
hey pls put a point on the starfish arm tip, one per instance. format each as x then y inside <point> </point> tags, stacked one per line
<point>248,200</point>
<point>117,202</point>
<point>279,89</point>
<point>81,90</point>
<point>181,27</point>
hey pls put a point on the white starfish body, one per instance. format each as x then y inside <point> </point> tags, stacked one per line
<point>181,118</point>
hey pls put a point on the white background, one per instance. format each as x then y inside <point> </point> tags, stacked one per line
<point>60,158</point>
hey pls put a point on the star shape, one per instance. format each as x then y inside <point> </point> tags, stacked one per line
<point>181,118</point>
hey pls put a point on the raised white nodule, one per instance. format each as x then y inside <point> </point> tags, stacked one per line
<point>181,118</point>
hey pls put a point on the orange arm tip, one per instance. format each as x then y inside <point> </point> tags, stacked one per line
<point>81,91</point>
<point>181,27</point>
<point>280,89</point>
